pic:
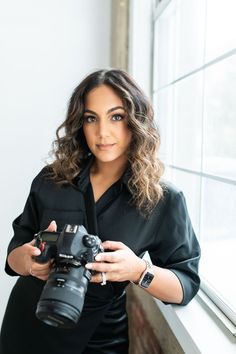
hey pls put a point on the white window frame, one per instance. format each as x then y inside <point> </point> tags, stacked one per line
<point>208,295</point>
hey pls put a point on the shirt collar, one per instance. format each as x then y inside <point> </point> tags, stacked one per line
<point>82,180</point>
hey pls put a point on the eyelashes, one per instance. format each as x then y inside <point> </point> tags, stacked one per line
<point>92,119</point>
<point>117,117</point>
<point>89,119</point>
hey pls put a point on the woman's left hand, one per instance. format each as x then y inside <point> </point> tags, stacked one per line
<point>120,264</point>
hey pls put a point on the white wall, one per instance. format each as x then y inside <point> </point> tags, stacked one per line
<point>47,47</point>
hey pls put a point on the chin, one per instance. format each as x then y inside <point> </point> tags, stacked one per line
<point>106,159</point>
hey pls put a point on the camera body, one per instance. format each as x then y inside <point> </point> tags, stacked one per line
<point>62,298</point>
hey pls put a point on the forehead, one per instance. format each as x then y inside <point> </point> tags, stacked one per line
<point>102,96</point>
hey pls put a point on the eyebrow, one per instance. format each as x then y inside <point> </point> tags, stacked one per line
<point>109,110</point>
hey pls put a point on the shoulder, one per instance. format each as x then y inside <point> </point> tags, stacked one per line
<point>173,198</point>
<point>41,177</point>
<point>170,191</point>
<point>173,201</point>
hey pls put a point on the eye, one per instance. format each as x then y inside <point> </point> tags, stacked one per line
<point>117,117</point>
<point>89,119</point>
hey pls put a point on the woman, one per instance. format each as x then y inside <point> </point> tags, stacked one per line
<point>107,177</point>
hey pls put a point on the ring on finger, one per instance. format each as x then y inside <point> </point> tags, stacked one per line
<point>104,278</point>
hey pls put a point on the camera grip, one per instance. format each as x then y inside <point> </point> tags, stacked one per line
<point>44,257</point>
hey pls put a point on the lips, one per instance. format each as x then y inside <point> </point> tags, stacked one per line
<point>105,146</point>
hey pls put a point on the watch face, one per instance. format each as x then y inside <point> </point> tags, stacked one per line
<point>147,279</point>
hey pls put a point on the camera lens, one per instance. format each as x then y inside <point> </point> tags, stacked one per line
<point>62,298</point>
<point>57,314</point>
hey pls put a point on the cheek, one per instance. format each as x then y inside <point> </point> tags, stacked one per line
<point>88,135</point>
<point>126,136</point>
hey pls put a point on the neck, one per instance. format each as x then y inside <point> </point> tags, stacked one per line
<point>112,169</point>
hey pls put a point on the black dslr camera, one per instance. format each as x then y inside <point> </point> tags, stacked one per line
<point>62,298</point>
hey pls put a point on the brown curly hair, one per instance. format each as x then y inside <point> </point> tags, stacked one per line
<point>70,148</point>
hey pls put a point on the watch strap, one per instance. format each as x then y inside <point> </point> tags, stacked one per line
<point>147,276</point>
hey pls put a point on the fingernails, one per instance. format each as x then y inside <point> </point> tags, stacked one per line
<point>37,252</point>
<point>53,222</point>
<point>98,258</point>
<point>89,265</point>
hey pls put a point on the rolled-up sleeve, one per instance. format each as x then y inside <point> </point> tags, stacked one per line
<point>25,225</point>
<point>177,247</point>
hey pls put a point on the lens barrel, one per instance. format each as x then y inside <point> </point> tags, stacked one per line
<point>62,298</point>
<point>57,314</point>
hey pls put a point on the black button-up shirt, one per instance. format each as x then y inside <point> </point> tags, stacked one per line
<point>167,233</point>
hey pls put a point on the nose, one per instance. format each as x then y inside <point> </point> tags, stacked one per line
<point>103,128</point>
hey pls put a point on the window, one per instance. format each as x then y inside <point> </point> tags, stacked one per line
<point>194,85</point>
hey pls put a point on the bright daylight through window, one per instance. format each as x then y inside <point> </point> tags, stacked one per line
<point>194,85</point>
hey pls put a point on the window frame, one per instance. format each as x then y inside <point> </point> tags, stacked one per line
<point>210,297</point>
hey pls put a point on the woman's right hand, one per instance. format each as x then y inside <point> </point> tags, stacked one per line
<point>22,261</point>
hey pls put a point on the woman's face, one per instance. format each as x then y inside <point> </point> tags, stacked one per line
<point>105,125</point>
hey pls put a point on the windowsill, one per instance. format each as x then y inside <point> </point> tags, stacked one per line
<point>197,328</point>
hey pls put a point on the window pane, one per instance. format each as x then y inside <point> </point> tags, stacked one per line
<point>190,30</point>
<point>197,115</point>
<point>188,122</point>
<point>218,210</point>
<point>190,184</point>
<point>220,28</point>
<point>218,237</point>
<point>163,107</point>
<point>164,43</point>
<point>168,174</point>
<point>220,119</point>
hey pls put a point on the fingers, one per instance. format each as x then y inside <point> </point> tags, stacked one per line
<point>108,257</point>
<point>114,245</point>
<point>102,267</point>
<point>111,276</point>
<point>52,226</point>
<point>41,271</point>
<point>31,243</point>
<point>34,251</point>
<point>111,256</point>
<point>41,276</point>
<point>99,278</point>
<point>122,264</point>
<point>37,268</point>
<point>109,261</point>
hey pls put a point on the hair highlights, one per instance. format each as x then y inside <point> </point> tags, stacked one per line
<point>70,148</point>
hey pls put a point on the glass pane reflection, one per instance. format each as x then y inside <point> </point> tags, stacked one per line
<point>188,123</point>
<point>219,157</point>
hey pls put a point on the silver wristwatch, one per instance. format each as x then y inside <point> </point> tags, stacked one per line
<point>147,276</point>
